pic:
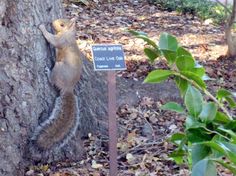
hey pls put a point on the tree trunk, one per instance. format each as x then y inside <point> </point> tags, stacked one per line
<point>27,97</point>
<point>230,37</point>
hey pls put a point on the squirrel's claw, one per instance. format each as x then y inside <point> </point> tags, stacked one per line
<point>42,27</point>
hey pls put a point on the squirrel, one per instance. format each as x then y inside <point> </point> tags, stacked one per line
<point>64,119</point>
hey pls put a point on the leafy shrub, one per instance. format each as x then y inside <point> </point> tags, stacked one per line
<point>205,9</point>
<point>209,136</point>
<point>168,4</point>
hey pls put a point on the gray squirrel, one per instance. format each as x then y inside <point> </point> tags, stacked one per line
<point>64,119</point>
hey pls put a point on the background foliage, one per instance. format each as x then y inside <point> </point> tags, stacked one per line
<point>204,9</point>
<point>210,130</point>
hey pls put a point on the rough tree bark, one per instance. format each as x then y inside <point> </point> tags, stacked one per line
<point>27,98</point>
<point>230,37</point>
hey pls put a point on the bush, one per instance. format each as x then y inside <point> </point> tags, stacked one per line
<point>204,9</point>
<point>209,136</point>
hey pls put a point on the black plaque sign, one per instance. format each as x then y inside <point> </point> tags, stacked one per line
<point>108,57</point>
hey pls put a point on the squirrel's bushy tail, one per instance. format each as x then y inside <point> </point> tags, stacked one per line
<point>60,126</point>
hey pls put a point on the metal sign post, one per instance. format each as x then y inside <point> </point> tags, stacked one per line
<point>111,78</point>
<point>110,58</point>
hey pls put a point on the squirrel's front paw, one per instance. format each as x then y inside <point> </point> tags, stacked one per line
<point>42,27</point>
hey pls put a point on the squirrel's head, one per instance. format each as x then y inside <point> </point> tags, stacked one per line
<point>63,25</point>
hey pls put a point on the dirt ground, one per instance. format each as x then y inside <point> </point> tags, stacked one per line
<point>143,127</point>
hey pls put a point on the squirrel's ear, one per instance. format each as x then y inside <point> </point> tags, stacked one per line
<point>72,22</point>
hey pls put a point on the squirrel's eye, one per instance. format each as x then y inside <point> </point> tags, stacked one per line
<point>62,25</point>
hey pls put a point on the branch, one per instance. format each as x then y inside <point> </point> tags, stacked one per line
<point>207,93</point>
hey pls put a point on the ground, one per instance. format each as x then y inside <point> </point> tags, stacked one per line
<point>143,127</point>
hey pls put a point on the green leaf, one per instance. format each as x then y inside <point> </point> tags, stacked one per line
<point>197,69</point>
<point>199,152</point>
<point>231,124</point>
<point>148,40</point>
<point>143,36</point>
<point>173,107</point>
<point>194,78</point>
<point>182,84</point>
<point>184,63</point>
<point>228,149</point>
<point>158,76</point>
<point>170,56</point>
<point>137,33</point>
<point>199,72</point>
<point>230,132</point>
<point>204,167</point>
<point>178,156</point>
<point>168,46</point>
<point>222,93</point>
<point>221,118</point>
<point>151,53</point>
<point>168,42</point>
<point>209,111</point>
<point>177,138</point>
<point>215,153</point>
<point>193,101</point>
<point>197,134</point>
<point>214,146</point>
<point>190,121</point>
<point>183,52</point>
<point>231,102</point>
<point>231,147</point>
